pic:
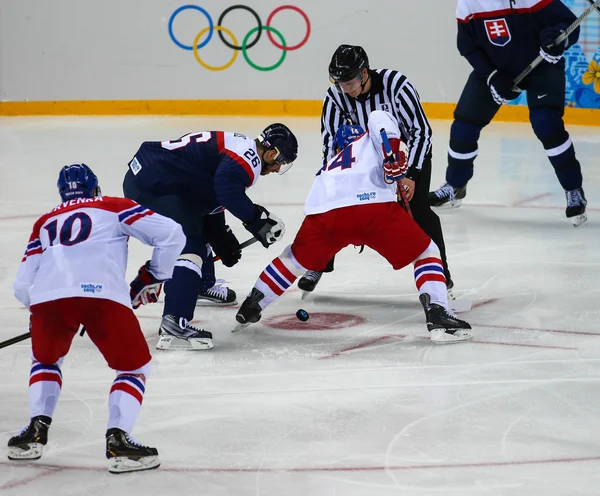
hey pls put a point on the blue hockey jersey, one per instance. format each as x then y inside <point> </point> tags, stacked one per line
<point>209,170</point>
<point>505,34</point>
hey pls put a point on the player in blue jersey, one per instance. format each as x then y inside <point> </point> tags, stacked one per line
<point>500,38</point>
<point>193,180</point>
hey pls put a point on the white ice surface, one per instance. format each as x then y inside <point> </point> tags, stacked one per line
<point>368,409</point>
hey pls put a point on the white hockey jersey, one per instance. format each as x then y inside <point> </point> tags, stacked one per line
<point>355,175</point>
<point>80,249</point>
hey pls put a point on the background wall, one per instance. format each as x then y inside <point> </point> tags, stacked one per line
<point>121,49</point>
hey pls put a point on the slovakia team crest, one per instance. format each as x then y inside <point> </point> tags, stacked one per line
<point>497,31</point>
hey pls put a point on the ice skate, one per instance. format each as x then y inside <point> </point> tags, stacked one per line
<point>125,454</point>
<point>447,196</point>
<point>218,296</point>
<point>178,334</point>
<point>250,311</point>
<point>576,203</point>
<point>29,443</point>
<point>308,282</point>
<point>442,325</point>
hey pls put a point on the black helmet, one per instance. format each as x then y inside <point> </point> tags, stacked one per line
<point>347,63</point>
<point>280,137</point>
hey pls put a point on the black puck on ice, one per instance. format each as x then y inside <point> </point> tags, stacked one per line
<point>302,315</point>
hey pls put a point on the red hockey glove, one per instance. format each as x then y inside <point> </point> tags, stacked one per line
<point>145,288</point>
<point>394,168</point>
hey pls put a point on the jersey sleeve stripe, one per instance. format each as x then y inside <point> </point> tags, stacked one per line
<point>34,244</point>
<point>137,217</point>
<point>234,156</point>
<point>463,18</point>
<point>128,213</point>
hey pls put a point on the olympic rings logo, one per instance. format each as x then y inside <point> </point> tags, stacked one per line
<point>246,43</point>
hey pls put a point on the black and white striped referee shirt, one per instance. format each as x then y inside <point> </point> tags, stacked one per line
<point>390,91</point>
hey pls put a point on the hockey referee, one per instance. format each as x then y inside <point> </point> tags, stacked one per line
<point>356,91</point>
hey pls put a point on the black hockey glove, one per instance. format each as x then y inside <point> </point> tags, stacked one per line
<point>145,288</point>
<point>549,51</point>
<point>267,228</point>
<point>221,238</point>
<point>227,247</point>
<point>501,87</point>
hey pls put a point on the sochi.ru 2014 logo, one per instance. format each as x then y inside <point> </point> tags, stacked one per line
<point>246,44</point>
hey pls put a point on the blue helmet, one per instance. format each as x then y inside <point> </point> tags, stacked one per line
<point>346,135</point>
<point>77,181</point>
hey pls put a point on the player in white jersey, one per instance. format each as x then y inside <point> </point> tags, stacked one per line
<point>353,201</point>
<point>72,274</point>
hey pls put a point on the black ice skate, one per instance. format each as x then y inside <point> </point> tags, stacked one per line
<point>447,196</point>
<point>576,203</point>
<point>29,443</point>
<point>442,325</point>
<point>308,282</point>
<point>250,311</point>
<point>218,295</point>
<point>127,455</point>
<point>176,333</point>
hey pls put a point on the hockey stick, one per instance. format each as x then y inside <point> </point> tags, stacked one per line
<point>245,244</point>
<point>594,6</point>
<point>389,156</point>
<point>15,340</point>
<point>591,2</point>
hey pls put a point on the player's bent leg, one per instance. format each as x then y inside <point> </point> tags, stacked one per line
<point>124,453</point>
<point>443,326</point>
<point>277,277</point>
<point>181,293</point>
<point>53,325</point>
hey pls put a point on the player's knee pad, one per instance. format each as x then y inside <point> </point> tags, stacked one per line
<point>190,261</point>
<point>549,127</point>
<point>144,371</point>
<point>432,251</point>
<point>291,263</point>
<point>58,362</point>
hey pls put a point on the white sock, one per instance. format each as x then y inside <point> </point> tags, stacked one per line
<point>45,383</point>
<point>126,396</point>
<point>429,275</point>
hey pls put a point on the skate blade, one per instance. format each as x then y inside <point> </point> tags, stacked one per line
<point>168,342</point>
<point>440,336</point>
<point>306,294</point>
<point>33,453</point>
<point>239,327</point>
<point>448,205</point>
<point>460,306</point>
<point>122,464</point>
<point>210,303</point>
<point>579,219</point>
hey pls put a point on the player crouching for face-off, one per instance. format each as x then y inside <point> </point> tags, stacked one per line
<point>353,203</point>
<point>72,274</point>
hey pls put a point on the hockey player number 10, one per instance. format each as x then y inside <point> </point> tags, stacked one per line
<point>186,140</point>
<point>65,234</point>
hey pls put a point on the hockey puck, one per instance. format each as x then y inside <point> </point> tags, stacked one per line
<point>302,315</point>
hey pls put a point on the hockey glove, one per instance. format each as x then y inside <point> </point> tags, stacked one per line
<point>501,87</point>
<point>227,247</point>
<point>549,51</point>
<point>268,228</point>
<point>395,167</point>
<point>221,239</point>
<point>145,288</point>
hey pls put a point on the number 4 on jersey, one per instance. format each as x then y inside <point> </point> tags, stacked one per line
<point>344,159</point>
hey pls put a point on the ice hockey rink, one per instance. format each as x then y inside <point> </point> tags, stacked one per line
<point>356,401</point>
